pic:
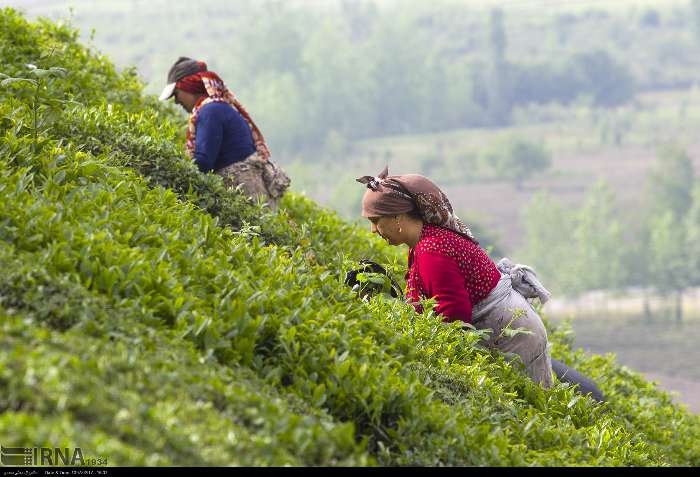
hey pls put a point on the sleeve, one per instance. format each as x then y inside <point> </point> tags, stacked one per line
<point>210,134</point>
<point>442,280</point>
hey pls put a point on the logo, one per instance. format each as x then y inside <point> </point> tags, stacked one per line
<point>16,456</point>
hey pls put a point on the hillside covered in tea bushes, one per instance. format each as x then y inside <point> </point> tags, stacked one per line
<point>150,316</point>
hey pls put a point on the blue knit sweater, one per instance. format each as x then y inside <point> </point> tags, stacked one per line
<point>222,138</point>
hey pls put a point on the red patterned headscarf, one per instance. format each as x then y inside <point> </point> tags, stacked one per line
<point>393,195</point>
<point>212,87</point>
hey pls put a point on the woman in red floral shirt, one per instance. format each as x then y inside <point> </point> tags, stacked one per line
<point>446,262</point>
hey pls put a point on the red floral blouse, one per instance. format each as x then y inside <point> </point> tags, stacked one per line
<point>451,268</point>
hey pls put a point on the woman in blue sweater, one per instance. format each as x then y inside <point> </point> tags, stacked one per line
<point>221,136</point>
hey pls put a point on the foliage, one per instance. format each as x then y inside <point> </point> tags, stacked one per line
<point>544,219</point>
<point>138,395</point>
<point>576,251</point>
<point>40,102</point>
<point>56,45</point>
<point>599,259</point>
<point>498,83</point>
<point>659,254</point>
<point>695,17</point>
<point>667,253</point>
<point>517,159</point>
<point>667,256</point>
<point>150,312</point>
<point>692,227</point>
<point>650,18</point>
<point>670,185</point>
<point>594,74</point>
<point>369,278</point>
<point>670,182</point>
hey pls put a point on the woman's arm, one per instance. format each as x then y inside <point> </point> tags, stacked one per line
<point>442,280</point>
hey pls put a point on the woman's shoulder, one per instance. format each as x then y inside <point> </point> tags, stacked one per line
<point>220,112</point>
<point>435,239</point>
<point>217,108</point>
<point>213,105</point>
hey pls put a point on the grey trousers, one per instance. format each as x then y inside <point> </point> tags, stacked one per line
<point>505,309</point>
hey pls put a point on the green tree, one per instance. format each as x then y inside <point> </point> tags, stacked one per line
<point>397,59</point>
<point>597,237</point>
<point>360,15</point>
<point>460,108</point>
<point>693,238</point>
<point>274,44</point>
<point>499,87</point>
<point>695,17</point>
<point>668,258</point>
<point>670,182</point>
<point>334,78</point>
<point>561,25</point>
<point>665,234</point>
<point>546,225</point>
<point>517,160</point>
<point>598,74</point>
<point>578,251</point>
<point>497,35</point>
<point>278,102</point>
<point>650,18</point>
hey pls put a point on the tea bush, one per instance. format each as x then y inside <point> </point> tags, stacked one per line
<point>150,311</point>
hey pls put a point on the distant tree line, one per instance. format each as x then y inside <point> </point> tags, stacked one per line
<point>367,73</point>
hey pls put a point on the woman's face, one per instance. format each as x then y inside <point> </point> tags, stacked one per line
<point>185,99</point>
<point>387,227</point>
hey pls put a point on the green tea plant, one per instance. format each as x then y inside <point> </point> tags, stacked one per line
<point>292,348</point>
<point>135,395</point>
<point>40,102</point>
<point>203,320</point>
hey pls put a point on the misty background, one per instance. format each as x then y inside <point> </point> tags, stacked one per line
<point>566,133</point>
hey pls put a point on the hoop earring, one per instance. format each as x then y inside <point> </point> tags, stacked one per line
<point>399,224</point>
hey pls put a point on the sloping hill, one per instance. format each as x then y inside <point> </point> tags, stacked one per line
<point>146,311</point>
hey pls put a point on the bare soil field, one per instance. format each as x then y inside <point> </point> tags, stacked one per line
<point>661,349</point>
<point>685,391</point>
<point>497,206</point>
